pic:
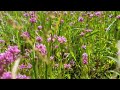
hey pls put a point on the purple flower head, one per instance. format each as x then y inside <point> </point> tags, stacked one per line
<point>22,66</point>
<point>62,39</point>
<point>42,49</point>
<point>62,21</point>
<point>80,19</point>
<point>39,39</point>
<point>72,62</point>
<point>51,39</point>
<point>32,13</point>
<point>88,30</point>
<point>6,75</point>
<point>85,61</point>
<point>19,76</point>
<point>85,58</point>
<point>33,20</point>
<point>82,34</point>
<point>26,14</point>
<point>2,57</point>
<point>98,13</point>
<point>13,49</point>
<point>118,17</point>
<point>25,35</point>
<point>29,66</point>
<point>39,27</point>
<point>84,46</point>
<point>2,41</point>
<point>56,46</point>
<point>51,57</point>
<point>55,36</point>
<point>110,16</point>
<point>91,15</point>
<point>9,57</point>
<point>67,66</point>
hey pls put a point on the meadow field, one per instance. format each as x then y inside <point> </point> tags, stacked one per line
<point>59,44</point>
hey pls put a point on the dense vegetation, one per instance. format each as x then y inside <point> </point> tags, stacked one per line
<point>59,44</point>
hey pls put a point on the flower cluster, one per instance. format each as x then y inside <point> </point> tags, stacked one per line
<point>41,48</point>
<point>67,66</point>
<point>85,58</point>
<point>62,39</point>
<point>22,66</point>
<point>85,31</point>
<point>10,55</point>
<point>80,19</point>
<point>25,35</point>
<point>8,75</point>
<point>39,39</point>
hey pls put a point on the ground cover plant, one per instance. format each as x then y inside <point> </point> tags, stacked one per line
<point>59,44</point>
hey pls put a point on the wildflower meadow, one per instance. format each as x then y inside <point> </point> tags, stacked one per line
<point>59,45</point>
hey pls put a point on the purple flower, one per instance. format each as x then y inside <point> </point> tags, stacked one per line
<point>91,15</point>
<point>72,62</point>
<point>39,27</point>
<point>51,39</point>
<point>55,36</point>
<point>51,57</point>
<point>88,30</point>
<point>56,46</point>
<point>22,66</point>
<point>39,39</point>
<point>26,14</point>
<point>85,58</point>
<point>80,19</point>
<point>19,76</point>
<point>84,46</point>
<point>32,13</point>
<point>67,66</point>
<point>82,34</point>
<point>13,49</point>
<point>62,39</point>
<point>98,13</point>
<point>29,66</point>
<point>118,17</point>
<point>6,75</point>
<point>41,48</point>
<point>9,57</point>
<point>25,35</point>
<point>2,41</point>
<point>2,57</point>
<point>33,20</point>
<point>62,21</point>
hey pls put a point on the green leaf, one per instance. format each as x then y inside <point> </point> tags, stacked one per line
<point>115,59</point>
<point>73,55</point>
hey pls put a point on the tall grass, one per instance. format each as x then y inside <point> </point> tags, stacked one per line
<point>100,43</point>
